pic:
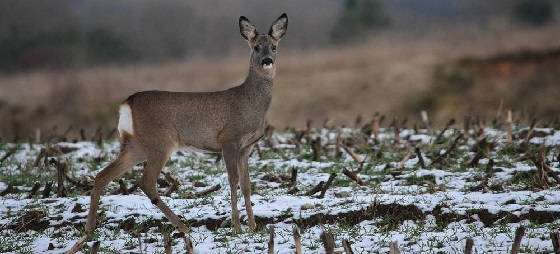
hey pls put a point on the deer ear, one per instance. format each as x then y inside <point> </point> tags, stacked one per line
<point>247,29</point>
<point>279,27</point>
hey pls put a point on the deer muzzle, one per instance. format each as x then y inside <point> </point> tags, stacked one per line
<point>267,63</point>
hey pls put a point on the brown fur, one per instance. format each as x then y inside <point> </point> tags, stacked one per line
<point>228,121</point>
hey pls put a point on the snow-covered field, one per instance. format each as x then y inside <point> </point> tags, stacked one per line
<point>425,210</point>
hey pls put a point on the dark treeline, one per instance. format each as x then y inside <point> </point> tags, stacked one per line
<point>52,34</point>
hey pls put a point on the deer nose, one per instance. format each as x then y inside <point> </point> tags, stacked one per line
<point>267,61</point>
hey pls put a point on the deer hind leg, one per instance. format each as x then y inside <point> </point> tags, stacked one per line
<point>245,183</point>
<point>148,185</point>
<point>124,162</point>
<point>231,157</point>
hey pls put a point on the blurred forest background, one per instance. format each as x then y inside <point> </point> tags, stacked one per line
<point>65,65</point>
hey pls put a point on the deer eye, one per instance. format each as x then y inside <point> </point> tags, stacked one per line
<point>257,48</point>
<point>273,47</point>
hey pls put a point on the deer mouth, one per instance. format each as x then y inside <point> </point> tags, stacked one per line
<point>267,63</point>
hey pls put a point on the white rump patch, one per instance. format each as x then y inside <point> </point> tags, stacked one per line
<point>125,120</point>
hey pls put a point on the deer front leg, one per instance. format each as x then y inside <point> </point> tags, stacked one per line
<point>231,157</point>
<point>245,183</point>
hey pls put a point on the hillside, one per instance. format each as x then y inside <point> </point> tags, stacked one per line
<point>526,80</point>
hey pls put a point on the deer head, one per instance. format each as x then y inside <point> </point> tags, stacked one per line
<point>263,46</point>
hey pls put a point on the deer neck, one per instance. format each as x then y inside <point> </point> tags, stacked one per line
<point>259,77</point>
<point>258,83</point>
<point>257,90</point>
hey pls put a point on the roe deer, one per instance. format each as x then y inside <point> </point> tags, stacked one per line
<point>153,124</point>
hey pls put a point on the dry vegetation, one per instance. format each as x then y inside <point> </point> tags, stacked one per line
<point>385,75</point>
